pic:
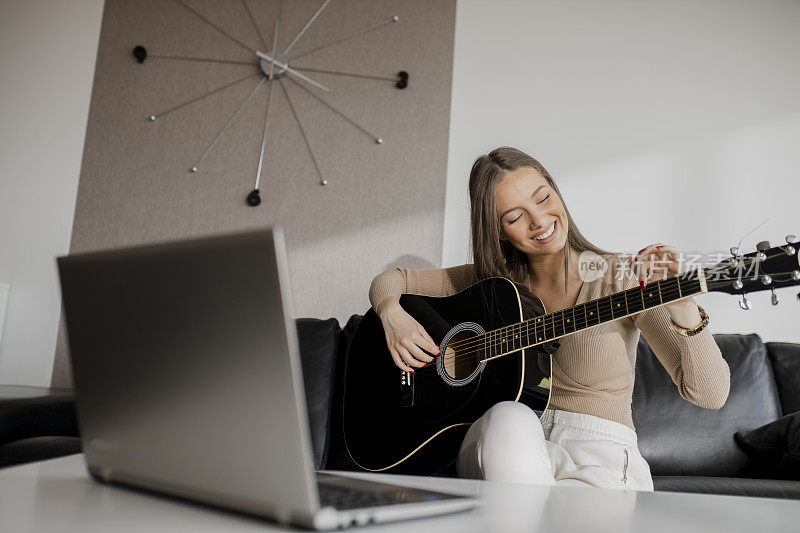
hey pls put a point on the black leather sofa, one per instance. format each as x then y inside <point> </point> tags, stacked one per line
<point>689,449</point>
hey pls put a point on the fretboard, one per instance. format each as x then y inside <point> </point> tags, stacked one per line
<point>551,326</point>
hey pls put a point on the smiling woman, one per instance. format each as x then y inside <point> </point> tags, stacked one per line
<point>522,230</point>
<point>527,200</point>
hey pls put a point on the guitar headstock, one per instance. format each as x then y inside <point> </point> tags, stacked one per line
<point>768,268</point>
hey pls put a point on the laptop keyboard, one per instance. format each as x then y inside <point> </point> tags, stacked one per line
<point>349,498</point>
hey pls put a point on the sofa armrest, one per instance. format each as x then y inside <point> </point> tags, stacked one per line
<point>27,412</point>
<point>785,358</point>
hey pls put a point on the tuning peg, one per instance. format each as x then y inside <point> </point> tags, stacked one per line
<point>737,284</point>
<point>795,275</point>
<point>744,303</point>
<point>791,239</point>
<point>774,298</point>
<point>789,249</point>
<point>734,251</point>
<point>766,279</point>
<point>763,246</point>
<point>761,256</point>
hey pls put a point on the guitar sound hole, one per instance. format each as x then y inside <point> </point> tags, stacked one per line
<point>462,355</point>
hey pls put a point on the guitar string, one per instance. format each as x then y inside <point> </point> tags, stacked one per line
<point>458,360</point>
<point>603,317</point>
<point>459,365</point>
<point>710,269</point>
<point>669,287</point>
<point>550,319</point>
<point>515,329</point>
<point>689,279</point>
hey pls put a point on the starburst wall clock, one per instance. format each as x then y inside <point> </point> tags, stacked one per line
<point>276,71</point>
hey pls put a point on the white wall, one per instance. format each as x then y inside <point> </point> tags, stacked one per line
<point>662,121</point>
<point>47,56</point>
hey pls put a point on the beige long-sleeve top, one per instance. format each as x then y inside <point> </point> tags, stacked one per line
<point>593,370</point>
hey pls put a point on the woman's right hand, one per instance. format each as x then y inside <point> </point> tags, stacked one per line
<point>408,342</point>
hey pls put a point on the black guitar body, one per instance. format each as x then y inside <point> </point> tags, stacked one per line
<point>415,423</point>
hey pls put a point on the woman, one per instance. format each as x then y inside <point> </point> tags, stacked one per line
<point>522,230</point>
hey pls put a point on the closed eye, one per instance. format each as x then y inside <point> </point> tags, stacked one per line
<point>543,200</point>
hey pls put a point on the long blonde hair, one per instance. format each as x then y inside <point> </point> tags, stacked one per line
<point>492,256</point>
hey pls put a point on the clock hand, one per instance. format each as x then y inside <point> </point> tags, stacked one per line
<point>290,70</point>
<point>305,28</point>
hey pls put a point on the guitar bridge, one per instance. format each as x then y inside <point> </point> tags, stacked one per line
<point>406,389</point>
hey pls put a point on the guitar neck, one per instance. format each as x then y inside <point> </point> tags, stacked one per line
<point>549,327</point>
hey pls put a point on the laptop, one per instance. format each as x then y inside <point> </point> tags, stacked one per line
<point>188,382</point>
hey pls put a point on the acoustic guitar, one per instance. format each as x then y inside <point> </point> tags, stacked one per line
<point>496,341</point>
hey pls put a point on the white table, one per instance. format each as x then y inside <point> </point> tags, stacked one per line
<point>58,495</point>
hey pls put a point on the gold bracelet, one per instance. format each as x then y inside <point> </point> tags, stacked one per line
<point>686,332</point>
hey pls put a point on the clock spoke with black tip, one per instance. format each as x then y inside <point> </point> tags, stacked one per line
<point>255,191</point>
<point>339,73</point>
<point>322,180</point>
<point>193,100</point>
<point>253,198</point>
<point>227,125</point>
<point>305,28</point>
<point>207,59</point>
<point>349,36</point>
<point>378,140</point>
<point>223,32</point>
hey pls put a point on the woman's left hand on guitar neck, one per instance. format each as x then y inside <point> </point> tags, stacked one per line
<point>659,261</point>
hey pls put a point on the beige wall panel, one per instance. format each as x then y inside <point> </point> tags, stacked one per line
<point>383,205</point>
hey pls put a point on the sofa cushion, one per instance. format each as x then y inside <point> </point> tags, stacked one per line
<point>318,352</point>
<point>785,358</point>
<point>764,488</point>
<point>677,437</point>
<point>775,447</point>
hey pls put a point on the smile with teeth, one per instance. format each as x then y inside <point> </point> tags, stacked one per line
<point>547,233</point>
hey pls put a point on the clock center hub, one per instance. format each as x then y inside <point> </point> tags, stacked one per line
<point>279,70</point>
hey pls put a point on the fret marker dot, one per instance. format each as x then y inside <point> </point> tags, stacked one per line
<point>617,305</point>
<point>591,312</point>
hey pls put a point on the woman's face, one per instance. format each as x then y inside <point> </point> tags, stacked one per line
<point>532,216</point>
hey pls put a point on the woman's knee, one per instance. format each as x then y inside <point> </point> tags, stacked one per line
<point>513,415</point>
<point>511,445</point>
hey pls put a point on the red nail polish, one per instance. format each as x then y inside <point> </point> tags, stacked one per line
<point>641,284</point>
<point>642,250</point>
<point>411,371</point>
<point>659,247</point>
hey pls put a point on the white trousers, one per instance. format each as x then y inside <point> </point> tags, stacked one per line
<point>509,443</point>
